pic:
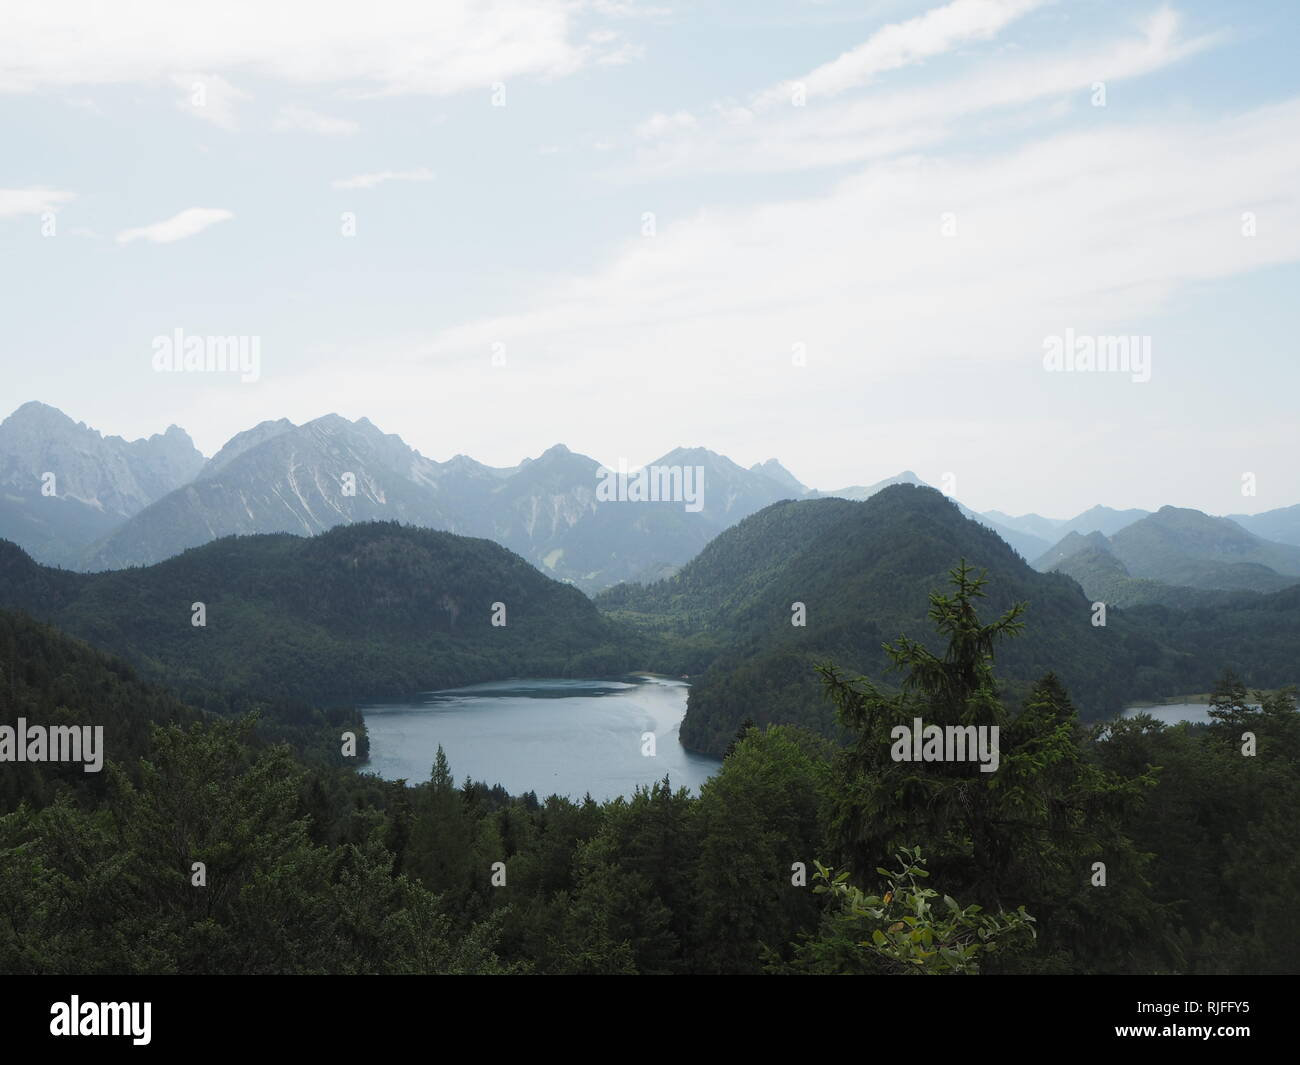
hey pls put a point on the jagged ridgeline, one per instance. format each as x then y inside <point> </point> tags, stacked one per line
<point>101,481</point>
<point>863,572</point>
<point>363,610</point>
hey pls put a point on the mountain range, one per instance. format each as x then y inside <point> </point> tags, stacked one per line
<point>63,485</point>
<point>1095,519</point>
<point>114,504</point>
<point>1167,556</point>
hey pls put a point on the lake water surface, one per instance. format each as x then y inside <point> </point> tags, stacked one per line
<point>567,737</point>
<point>1172,713</point>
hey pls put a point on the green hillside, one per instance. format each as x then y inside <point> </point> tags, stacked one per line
<point>362,610</point>
<point>1104,578</point>
<point>50,679</point>
<point>864,572</point>
<point>1185,547</point>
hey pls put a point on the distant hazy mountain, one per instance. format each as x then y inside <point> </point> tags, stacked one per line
<point>778,473</point>
<point>1100,519</point>
<point>98,481</point>
<point>120,504</point>
<point>1281,525</point>
<point>859,493</point>
<point>1180,547</point>
<point>1048,529</point>
<point>1026,544</point>
<point>1105,520</point>
<point>1104,578</point>
<point>278,477</point>
<point>241,442</point>
<point>559,523</point>
<point>1070,545</point>
<point>303,480</point>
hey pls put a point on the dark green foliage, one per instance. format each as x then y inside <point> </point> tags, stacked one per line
<point>1222,827</point>
<point>49,679</point>
<point>1027,831</point>
<point>362,610</point>
<point>1104,578</point>
<point>908,929</point>
<point>323,870</point>
<point>1257,636</point>
<point>313,867</point>
<point>763,814</point>
<point>114,890</point>
<point>863,571</point>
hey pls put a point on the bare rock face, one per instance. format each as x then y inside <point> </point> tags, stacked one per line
<point>278,477</point>
<point>64,485</point>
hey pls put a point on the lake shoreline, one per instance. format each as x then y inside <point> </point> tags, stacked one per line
<point>552,735</point>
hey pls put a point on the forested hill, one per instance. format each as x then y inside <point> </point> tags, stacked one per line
<point>863,572</point>
<point>50,679</point>
<point>736,565</point>
<point>368,609</point>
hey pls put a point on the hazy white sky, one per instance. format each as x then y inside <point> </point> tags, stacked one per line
<point>839,234</point>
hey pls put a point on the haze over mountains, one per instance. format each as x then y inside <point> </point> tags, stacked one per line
<point>117,504</point>
<point>1156,559</point>
<point>1095,519</point>
<point>1281,525</point>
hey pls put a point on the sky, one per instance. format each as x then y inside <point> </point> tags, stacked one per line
<point>844,235</point>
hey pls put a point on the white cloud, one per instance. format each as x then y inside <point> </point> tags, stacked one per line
<point>301,118</point>
<point>892,46</point>
<point>923,351</point>
<point>387,47</point>
<point>186,224</point>
<point>630,9</point>
<point>657,125</point>
<point>370,181</point>
<point>209,97</point>
<point>879,125</point>
<point>89,106</point>
<point>612,50</point>
<point>32,201</point>
<point>903,43</point>
<point>1087,230</point>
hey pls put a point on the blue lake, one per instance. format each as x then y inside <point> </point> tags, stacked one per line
<point>566,737</point>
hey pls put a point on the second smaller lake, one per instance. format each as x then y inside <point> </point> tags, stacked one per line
<point>1172,713</point>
